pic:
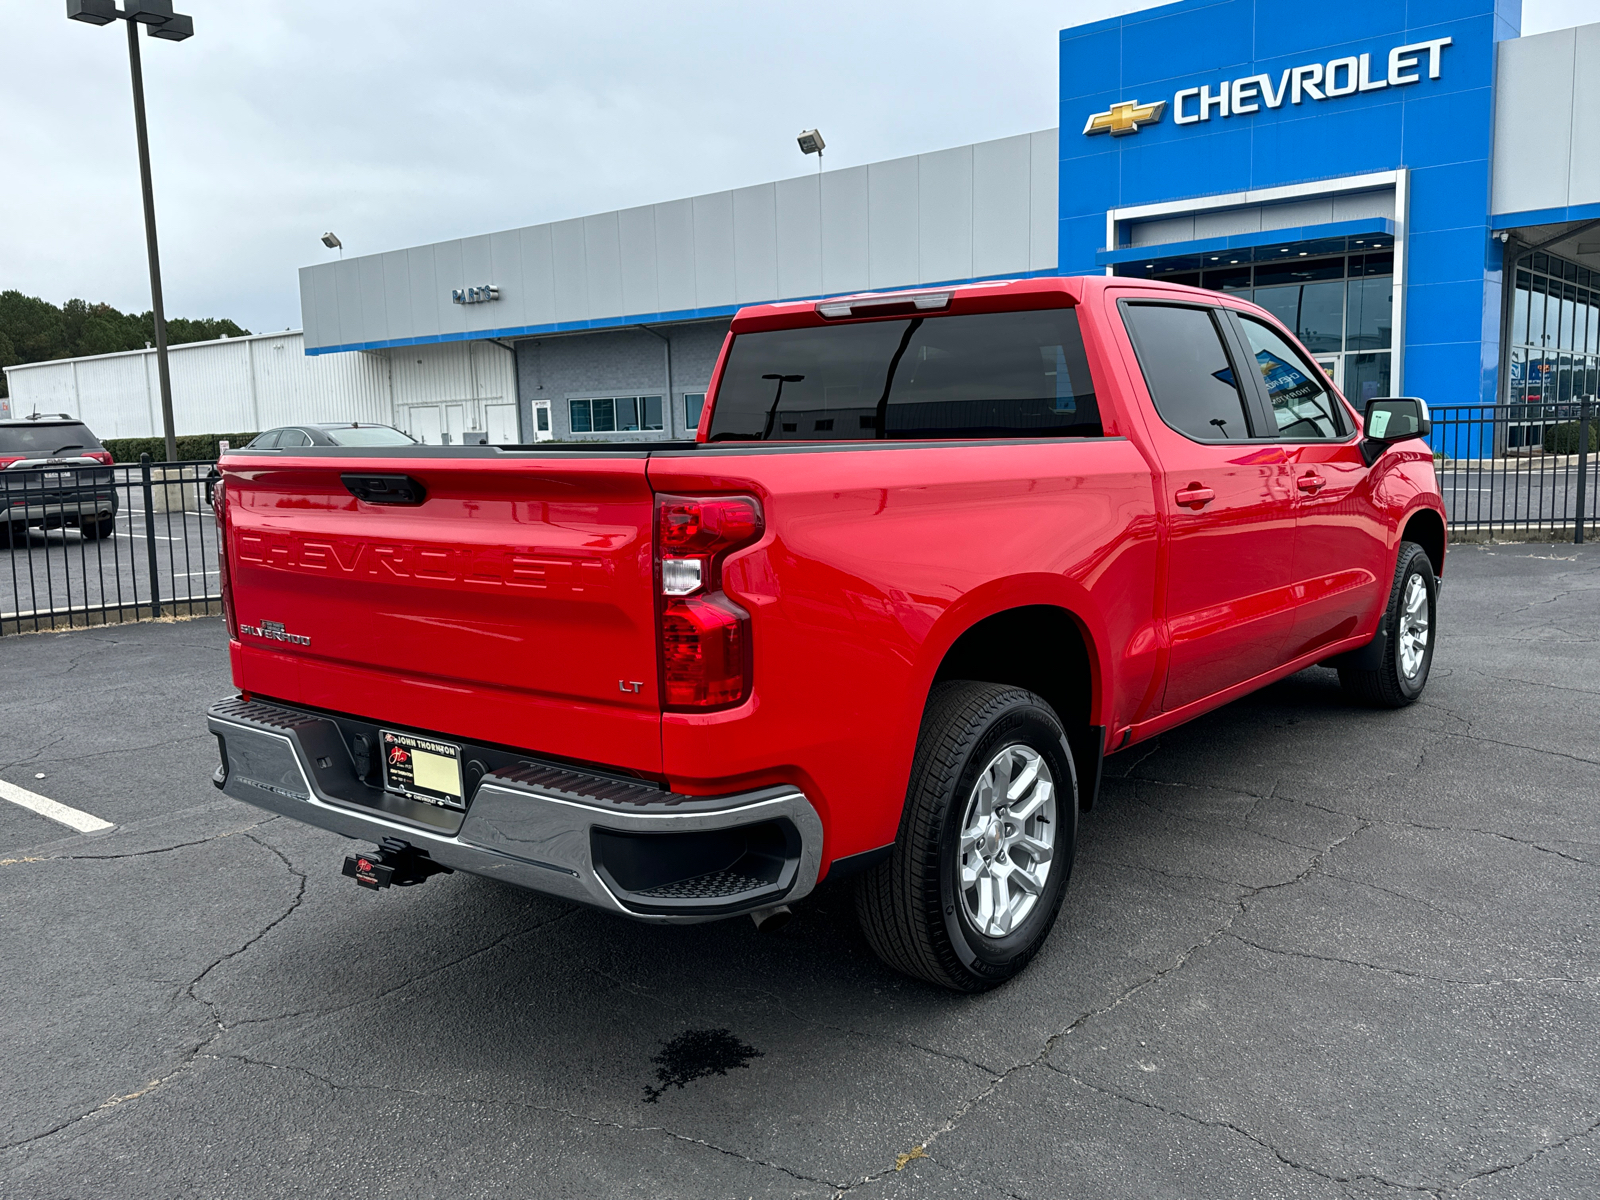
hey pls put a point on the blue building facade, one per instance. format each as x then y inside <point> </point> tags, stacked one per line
<point>1333,162</point>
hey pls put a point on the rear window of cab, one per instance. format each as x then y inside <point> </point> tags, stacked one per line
<point>979,375</point>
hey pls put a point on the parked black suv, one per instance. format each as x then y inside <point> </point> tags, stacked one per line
<point>54,474</point>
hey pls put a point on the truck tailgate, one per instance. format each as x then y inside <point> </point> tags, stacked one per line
<point>514,604</point>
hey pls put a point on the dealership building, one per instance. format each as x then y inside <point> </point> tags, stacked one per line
<point>1414,188</point>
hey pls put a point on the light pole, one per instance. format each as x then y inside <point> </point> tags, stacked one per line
<point>158,17</point>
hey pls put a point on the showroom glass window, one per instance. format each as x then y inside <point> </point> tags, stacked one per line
<point>1555,331</point>
<point>1337,298</point>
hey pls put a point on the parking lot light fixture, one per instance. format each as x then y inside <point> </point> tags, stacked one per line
<point>148,12</point>
<point>332,242</point>
<point>157,17</point>
<point>92,12</point>
<point>811,143</point>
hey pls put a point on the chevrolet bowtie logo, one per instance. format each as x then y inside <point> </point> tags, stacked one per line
<point>1125,117</point>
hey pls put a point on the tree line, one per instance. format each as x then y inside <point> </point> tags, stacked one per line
<point>34,330</point>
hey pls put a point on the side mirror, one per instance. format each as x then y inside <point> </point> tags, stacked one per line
<point>1393,419</point>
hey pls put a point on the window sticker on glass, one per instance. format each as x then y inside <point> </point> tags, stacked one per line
<point>1378,424</point>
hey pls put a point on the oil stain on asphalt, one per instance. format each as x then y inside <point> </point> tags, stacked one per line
<point>697,1054</point>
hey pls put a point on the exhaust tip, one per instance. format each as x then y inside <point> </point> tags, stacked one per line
<point>770,920</point>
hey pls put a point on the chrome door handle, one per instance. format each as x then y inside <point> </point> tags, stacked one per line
<point>1194,496</point>
<point>1311,483</point>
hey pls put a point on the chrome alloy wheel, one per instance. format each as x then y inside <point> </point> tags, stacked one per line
<point>1008,839</point>
<point>1414,627</point>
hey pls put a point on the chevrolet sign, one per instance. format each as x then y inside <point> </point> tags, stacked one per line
<point>1248,94</point>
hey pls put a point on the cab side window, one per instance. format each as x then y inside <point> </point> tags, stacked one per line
<point>293,439</point>
<point>1302,403</point>
<point>1188,371</point>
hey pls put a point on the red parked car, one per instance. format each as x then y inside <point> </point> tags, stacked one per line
<point>932,556</point>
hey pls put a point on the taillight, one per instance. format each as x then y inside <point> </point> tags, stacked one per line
<point>705,636</point>
<point>219,508</point>
<point>100,456</point>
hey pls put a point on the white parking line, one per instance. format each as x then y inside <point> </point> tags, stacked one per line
<point>45,807</point>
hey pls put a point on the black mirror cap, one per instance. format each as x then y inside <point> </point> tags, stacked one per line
<point>1391,419</point>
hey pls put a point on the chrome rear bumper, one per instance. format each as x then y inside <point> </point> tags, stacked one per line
<point>619,845</point>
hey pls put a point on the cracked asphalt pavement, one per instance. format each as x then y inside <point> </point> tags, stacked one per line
<point>1308,951</point>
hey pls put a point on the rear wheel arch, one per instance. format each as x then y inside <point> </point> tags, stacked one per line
<point>1045,649</point>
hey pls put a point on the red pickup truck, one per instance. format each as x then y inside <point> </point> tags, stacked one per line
<point>930,558</point>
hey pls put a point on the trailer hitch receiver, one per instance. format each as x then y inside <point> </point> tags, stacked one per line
<point>394,863</point>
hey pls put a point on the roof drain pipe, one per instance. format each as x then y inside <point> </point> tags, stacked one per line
<point>668,417</point>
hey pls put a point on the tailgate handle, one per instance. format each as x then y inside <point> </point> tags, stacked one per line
<point>384,489</point>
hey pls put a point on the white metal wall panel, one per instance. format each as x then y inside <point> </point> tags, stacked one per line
<point>570,275</point>
<point>944,215</point>
<point>1258,218</point>
<point>980,210</point>
<point>892,240</point>
<point>799,233</point>
<point>424,290</point>
<point>43,387</point>
<point>603,259</point>
<point>1584,185</point>
<point>232,385</point>
<point>636,241</point>
<point>713,249</point>
<point>477,268</point>
<point>211,387</point>
<point>114,389</point>
<point>374,307</point>
<point>1534,92</point>
<point>1001,205</point>
<point>846,230</point>
<point>538,275</point>
<point>1044,192</point>
<point>327,287</point>
<point>397,293</point>
<point>505,272</point>
<point>347,296</point>
<point>675,255</point>
<point>314,332</point>
<point>449,273</point>
<point>1354,206</point>
<point>755,244</point>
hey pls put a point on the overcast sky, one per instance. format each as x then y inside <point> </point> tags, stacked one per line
<point>412,121</point>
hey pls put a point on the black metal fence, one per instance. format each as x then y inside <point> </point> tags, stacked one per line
<point>104,544</point>
<point>1520,471</point>
<point>101,545</point>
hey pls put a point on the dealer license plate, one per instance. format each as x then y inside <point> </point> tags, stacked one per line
<point>422,768</point>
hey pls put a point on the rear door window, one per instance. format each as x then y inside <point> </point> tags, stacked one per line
<point>266,441</point>
<point>984,375</point>
<point>1302,405</point>
<point>1188,371</point>
<point>293,439</point>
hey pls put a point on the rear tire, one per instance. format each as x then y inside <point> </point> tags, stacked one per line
<point>979,869</point>
<point>1411,619</point>
<point>94,531</point>
<point>10,535</point>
